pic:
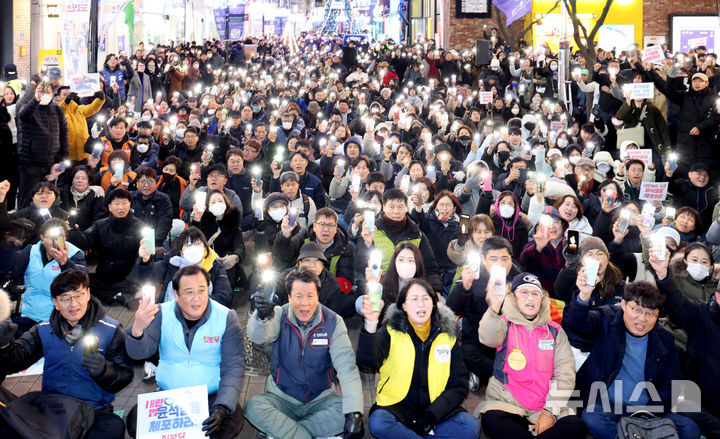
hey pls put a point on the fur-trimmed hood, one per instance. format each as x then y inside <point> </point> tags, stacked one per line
<point>512,312</point>
<point>396,319</point>
<point>679,269</point>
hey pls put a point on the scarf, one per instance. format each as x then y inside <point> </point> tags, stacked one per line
<point>422,331</point>
<point>395,227</point>
<point>77,196</point>
<point>447,220</point>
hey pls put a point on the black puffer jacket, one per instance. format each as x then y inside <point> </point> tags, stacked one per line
<point>115,241</point>
<point>230,239</point>
<point>44,135</point>
<point>90,209</point>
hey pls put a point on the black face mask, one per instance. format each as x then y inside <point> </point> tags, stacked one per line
<point>503,156</point>
<point>464,139</point>
<point>529,126</point>
<point>167,177</point>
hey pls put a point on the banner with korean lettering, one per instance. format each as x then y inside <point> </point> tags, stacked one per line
<point>651,191</point>
<point>172,414</point>
<point>74,19</point>
<point>107,13</point>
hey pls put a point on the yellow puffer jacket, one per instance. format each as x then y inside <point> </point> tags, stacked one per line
<point>76,116</point>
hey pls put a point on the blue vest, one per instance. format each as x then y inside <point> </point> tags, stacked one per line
<point>37,302</point>
<point>119,75</point>
<point>64,373</point>
<point>180,367</point>
<point>301,368</point>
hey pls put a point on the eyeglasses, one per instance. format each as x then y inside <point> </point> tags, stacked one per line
<point>524,294</point>
<point>67,299</point>
<point>146,182</point>
<point>637,311</point>
<point>326,225</point>
<point>419,299</point>
<point>191,294</point>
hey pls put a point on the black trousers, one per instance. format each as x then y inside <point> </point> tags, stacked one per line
<point>499,424</point>
<point>230,428</point>
<point>479,359</point>
<point>709,424</point>
<point>29,177</point>
<point>106,426</point>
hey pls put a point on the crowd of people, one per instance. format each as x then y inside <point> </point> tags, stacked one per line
<point>493,228</point>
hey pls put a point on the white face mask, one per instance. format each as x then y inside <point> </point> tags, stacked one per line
<point>45,99</point>
<point>218,209</point>
<point>616,122</point>
<point>179,133</point>
<point>562,143</point>
<point>142,147</point>
<point>375,208</point>
<point>574,159</point>
<point>553,67</point>
<point>603,168</point>
<point>287,125</point>
<point>698,271</point>
<point>506,211</point>
<point>515,111</point>
<point>194,253</point>
<point>277,214</point>
<point>405,270</point>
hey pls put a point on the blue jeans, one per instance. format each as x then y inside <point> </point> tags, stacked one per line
<point>384,424</point>
<point>604,425</point>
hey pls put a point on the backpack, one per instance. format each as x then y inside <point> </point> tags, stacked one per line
<point>643,425</point>
<point>49,415</point>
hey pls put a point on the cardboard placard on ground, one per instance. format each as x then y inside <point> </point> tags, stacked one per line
<point>644,155</point>
<point>651,191</point>
<point>178,412</point>
<point>485,97</point>
<point>654,54</point>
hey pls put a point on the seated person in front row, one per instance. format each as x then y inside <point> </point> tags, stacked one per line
<point>534,370</point>
<point>37,265</point>
<point>93,378</point>
<point>179,331</point>
<point>423,379</point>
<point>309,344</point>
<point>628,350</point>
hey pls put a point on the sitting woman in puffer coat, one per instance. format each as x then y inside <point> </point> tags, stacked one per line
<point>534,366</point>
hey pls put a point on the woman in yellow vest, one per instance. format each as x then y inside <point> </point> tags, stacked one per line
<point>423,379</point>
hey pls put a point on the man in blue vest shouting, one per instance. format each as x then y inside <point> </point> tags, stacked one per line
<point>309,344</point>
<point>199,342</point>
<point>91,375</point>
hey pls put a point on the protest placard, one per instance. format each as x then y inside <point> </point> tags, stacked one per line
<point>697,42</point>
<point>557,125</point>
<point>485,97</point>
<point>644,155</point>
<point>650,191</point>
<point>654,54</point>
<point>177,413</point>
<point>642,90</point>
<point>85,84</point>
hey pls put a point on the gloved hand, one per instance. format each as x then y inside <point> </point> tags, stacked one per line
<point>96,130</point>
<point>99,95</point>
<point>95,364</point>
<point>72,96</point>
<point>7,332</point>
<point>473,182</point>
<point>353,426</point>
<point>213,424</point>
<point>265,309</point>
<point>423,424</point>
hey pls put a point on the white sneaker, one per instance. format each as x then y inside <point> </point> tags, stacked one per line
<point>149,370</point>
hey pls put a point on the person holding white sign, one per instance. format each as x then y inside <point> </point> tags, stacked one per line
<point>698,120</point>
<point>199,342</point>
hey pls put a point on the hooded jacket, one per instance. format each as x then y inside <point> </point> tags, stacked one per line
<point>77,116</point>
<point>376,351</point>
<point>496,331</point>
<point>515,229</point>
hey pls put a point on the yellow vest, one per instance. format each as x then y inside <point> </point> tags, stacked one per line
<point>387,247</point>
<point>395,379</point>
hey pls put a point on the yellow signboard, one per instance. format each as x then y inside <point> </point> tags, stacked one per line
<point>50,58</point>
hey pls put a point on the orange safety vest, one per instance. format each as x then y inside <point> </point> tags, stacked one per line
<point>183,185</point>
<point>108,149</point>
<point>107,173</point>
